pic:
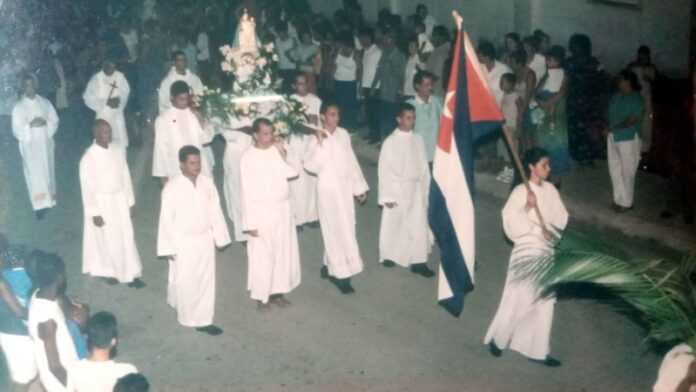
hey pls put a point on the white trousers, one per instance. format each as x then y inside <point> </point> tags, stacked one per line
<point>19,354</point>
<point>623,159</point>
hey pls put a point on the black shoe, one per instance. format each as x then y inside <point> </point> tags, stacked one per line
<point>495,350</point>
<point>41,214</point>
<point>299,228</point>
<point>110,281</point>
<point>343,285</point>
<point>212,330</point>
<point>549,361</point>
<point>388,263</point>
<point>313,225</point>
<point>666,215</point>
<point>324,272</point>
<point>423,270</point>
<point>137,284</point>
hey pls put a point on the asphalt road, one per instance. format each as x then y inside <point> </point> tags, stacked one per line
<point>389,336</point>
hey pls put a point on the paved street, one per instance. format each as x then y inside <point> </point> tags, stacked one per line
<point>388,336</point>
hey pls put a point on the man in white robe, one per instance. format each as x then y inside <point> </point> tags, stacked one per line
<point>524,317</point>
<point>178,72</point>
<point>191,225</point>
<point>34,122</point>
<point>303,189</point>
<point>179,126</point>
<point>107,95</point>
<point>339,179</point>
<point>404,179</point>
<point>108,249</point>
<point>237,142</point>
<point>274,257</point>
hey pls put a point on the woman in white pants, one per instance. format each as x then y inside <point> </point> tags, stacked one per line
<point>623,142</point>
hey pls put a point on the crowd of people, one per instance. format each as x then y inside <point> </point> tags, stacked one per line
<point>139,67</point>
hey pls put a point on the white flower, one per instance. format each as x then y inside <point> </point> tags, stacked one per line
<point>281,128</point>
<point>269,47</point>
<point>267,80</point>
<point>226,67</point>
<point>225,49</point>
<point>261,62</point>
<point>275,57</point>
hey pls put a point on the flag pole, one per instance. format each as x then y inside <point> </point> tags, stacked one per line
<point>520,168</point>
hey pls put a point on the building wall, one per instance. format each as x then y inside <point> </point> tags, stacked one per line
<point>616,32</point>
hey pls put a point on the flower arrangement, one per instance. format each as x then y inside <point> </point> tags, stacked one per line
<point>254,71</point>
<point>289,117</point>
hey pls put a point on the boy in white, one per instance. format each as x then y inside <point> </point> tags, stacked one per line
<point>274,257</point>
<point>178,72</point>
<point>109,249</point>
<point>191,225</point>
<point>303,189</point>
<point>179,126</point>
<point>34,122</point>
<point>404,178</point>
<point>98,372</point>
<point>107,94</point>
<point>53,346</point>
<point>339,179</point>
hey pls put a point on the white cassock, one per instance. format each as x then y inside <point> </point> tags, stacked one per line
<point>523,320</point>
<point>108,251</point>
<point>176,128</point>
<point>164,93</point>
<point>274,256</point>
<point>339,178</point>
<point>674,368</point>
<point>37,147</point>
<point>191,225</point>
<point>404,178</point>
<point>97,93</point>
<point>236,144</point>
<point>303,189</point>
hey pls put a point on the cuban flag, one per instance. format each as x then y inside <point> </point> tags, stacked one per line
<point>470,112</point>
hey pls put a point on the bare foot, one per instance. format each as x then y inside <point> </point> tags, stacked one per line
<point>262,307</point>
<point>282,302</point>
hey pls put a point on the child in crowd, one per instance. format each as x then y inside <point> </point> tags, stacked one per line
<point>551,87</point>
<point>512,108</point>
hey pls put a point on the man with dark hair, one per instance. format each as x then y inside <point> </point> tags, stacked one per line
<point>53,345</point>
<point>98,372</point>
<point>133,382</point>
<point>191,224</point>
<point>428,109</point>
<point>435,64</point>
<point>404,181</point>
<point>176,127</point>
<point>34,122</point>
<point>107,95</point>
<point>370,60</point>
<point>274,257</point>
<point>427,19</point>
<point>179,71</point>
<point>109,249</point>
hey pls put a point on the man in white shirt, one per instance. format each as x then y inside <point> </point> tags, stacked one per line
<point>109,249</point>
<point>427,19</point>
<point>107,95</point>
<point>34,122</point>
<point>191,226</point>
<point>370,60</point>
<point>176,127</point>
<point>274,257</point>
<point>98,372</point>
<point>285,44</point>
<point>178,72</point>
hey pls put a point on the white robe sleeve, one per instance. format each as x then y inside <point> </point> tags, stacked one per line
<point>425,173</point>
<point>250,191</point>
<point>163,96</point>
<point>517,222</point>
<point>359,185</point>
<point>559,215</point>
<point>207,133</point>
<point>127,183</point>
<point>166,240</point>
<point>51,118</point>
<point>196,84</point>
<point>20,124</point>
<point>386,189</point>
<point>317,155</point>
<point>91,95</point>
<point>88,187</point>
<point>220,233</point>
<point>159,155</point>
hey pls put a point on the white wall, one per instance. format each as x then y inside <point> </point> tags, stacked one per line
<point>616,32</point>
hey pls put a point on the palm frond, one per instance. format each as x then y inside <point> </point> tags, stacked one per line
<point>662,291</point>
